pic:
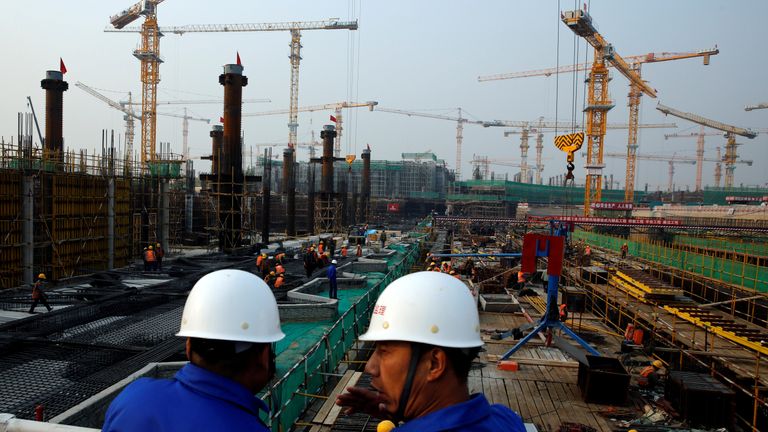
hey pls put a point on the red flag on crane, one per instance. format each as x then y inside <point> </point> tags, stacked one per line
<point>221,119</point>
<point>62,68</point>
<point>238,59</point>
<point>333,119</point>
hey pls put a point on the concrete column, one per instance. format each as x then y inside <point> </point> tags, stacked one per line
<point>28,228</point>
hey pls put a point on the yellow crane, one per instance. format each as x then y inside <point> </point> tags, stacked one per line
<point>337,107</point>
<point>699,151</point>
<point>730,134</point>
<point>149,56</point>
<point>294,27</point>
<point>673,160</point>
<point>635,63</point>
<point>598,103</point>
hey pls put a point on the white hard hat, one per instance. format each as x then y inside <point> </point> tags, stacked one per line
<point>426,307</point>
<point>334,262</point>
<point>231,305</point>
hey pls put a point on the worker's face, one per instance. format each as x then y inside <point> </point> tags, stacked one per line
<point>388,367</point>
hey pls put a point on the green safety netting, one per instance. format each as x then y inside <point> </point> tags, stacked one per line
<point>311,350</point>
<point>739,273</point>
<point>751,248</point>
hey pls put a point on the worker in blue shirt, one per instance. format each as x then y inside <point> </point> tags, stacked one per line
<point>333,287</point>
<point>427,332</point>
<point>231,322</point>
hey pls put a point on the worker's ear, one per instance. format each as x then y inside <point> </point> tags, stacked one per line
<point>188,349</point>
<point>438,363</point>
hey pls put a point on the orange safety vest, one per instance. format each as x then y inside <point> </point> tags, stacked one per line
<point>587,251</point>
<point>344,251</point>
<point>279,269</point>
<point>320,248</point>
<point>563,312</point>
<point>279,282</point>
<point>151,256</point>
<point>645,373</point>
<point>520,277</point>
<point>259,259</point>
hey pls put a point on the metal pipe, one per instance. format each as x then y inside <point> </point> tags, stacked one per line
<point>54,86</point>
<point>9,423</point>
<point>111,222</point>
<point>266,181</point>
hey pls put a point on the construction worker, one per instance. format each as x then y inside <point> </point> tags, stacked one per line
<point>144,258</point>
<point>454,274</point>
<point>333,286</point>
<point>383,238</point>
<point>151,258</point>
<point>320,248</point>
<point>309,262</point>
<point>624,250</point>
<point>587,257</point>
<point>427,332</point>
<point>344,251</point>
<point>230,322</point>
<point>38,294</point>
<point>650,375</point>
<point>280,280</point>
<point>359,251</point>
<point>269,278</point>
<point>279,269</point>
<point>159,254</point>
<point>563,312</point>
<point>520,280</point>
<point>280,257</point>
<point>259,259</point>
<point>264,268</point>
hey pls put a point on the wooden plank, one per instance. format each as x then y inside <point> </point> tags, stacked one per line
<point>336,409</point>
<point>538,362</point>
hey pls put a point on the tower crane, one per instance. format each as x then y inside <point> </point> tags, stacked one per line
<point>763,105</point>
<point>542,127</point>
<point>149,56</point>
<point>730,134</point>
<point>672,161</point>
<point>635,63</point>
<point>294,27</point>
<point>130,116</point>
<point>337,107</point>
<point>699,151</point>
<point>460,121</point>
<point>598,104</point>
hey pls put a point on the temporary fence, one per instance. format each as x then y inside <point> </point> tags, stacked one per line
<point>736,272</point>
<point>290,395</point>
<point>730,244</point>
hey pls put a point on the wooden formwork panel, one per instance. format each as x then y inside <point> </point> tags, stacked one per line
<point>79,224</point>
<point>122,222</point>
<point>11,272</point>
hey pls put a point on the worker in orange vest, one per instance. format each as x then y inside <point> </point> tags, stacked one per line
<point>650,375</point>
<point>280,280</point>
<point>624,250</point>
<point>563,312</point>
<point>454,274</point>
<point>359,251</point>
<point>279,269</point>
<point>151,258</point>
<point>344,251</point>
<point>280,257</point>
<point>38,296</point>
<point>259,259</point>
<point>520,280</point>
<point>268,278</point>
<point>587,250</point>
<point>320,247</point>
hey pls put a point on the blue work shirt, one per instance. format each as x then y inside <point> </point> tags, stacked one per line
<point>194,400</point>
<point>332,272</point>
<point>474,415</point>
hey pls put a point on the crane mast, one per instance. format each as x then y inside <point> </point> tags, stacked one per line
<point>730,133</point>
<point>699,151</point>
<point>599,103</point>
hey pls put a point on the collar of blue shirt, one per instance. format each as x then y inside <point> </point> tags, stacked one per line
<point>204,381</point>
<point>453,417</point>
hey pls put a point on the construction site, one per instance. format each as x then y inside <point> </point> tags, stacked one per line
<point>608,300</point>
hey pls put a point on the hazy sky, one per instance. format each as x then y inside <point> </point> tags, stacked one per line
<point>420,55</point>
